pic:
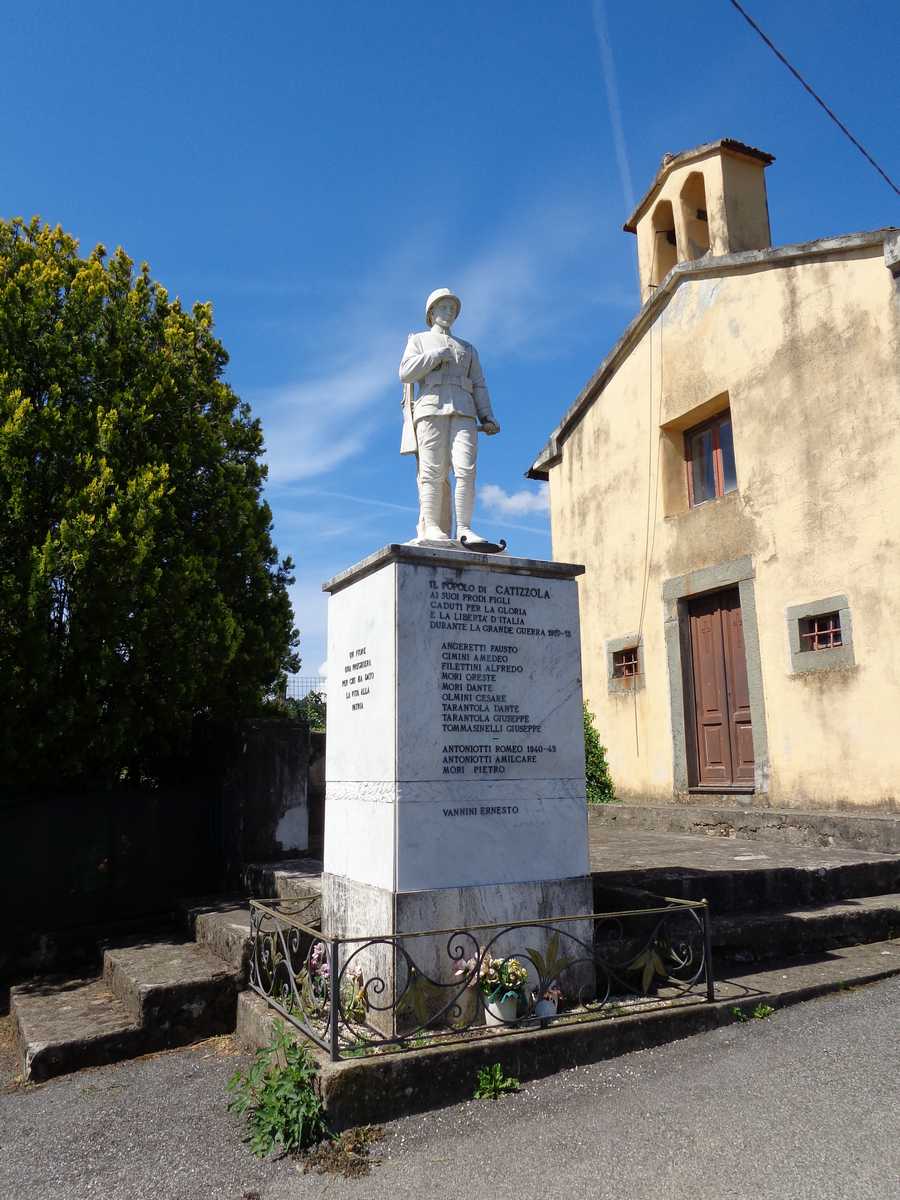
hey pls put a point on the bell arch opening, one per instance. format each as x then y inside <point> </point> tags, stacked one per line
<point>665,248</point>
<point>694,215</point>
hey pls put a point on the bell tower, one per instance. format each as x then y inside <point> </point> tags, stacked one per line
<point>709,200</point>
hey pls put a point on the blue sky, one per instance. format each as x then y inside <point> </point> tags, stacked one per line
<point>315,169</point>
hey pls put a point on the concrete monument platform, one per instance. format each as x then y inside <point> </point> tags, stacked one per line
<point>455,756</point>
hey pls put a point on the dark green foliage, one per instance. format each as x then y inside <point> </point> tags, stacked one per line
<point>600,788</point>
<point>139,586</point>
<point>311,708</point>
<point>278,1097</point>
<point>493,1083</point>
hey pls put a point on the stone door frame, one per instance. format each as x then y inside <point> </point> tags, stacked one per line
<point>676,593</point>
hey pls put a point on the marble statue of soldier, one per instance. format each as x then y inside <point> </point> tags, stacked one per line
<point>442,419</point>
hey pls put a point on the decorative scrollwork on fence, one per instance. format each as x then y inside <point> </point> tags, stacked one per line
<point>361,995</point>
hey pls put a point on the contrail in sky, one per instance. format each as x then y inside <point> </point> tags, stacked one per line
<point>612,95</point>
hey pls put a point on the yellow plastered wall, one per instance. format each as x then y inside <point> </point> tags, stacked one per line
<point>808,358</point>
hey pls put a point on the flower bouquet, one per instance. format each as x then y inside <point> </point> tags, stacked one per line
<point>502,983</point>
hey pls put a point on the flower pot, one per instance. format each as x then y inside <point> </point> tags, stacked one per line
<point>545,1009</point>
<point>500,1012</point>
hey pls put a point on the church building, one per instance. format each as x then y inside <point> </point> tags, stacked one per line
<point>730,477</point>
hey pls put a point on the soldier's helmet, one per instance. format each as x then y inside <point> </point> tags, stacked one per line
<point>440,294</point>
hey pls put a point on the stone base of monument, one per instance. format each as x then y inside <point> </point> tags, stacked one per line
<point>455,792</point>
<point>471,921</point>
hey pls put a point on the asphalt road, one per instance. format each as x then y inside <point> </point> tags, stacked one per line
<point>802,1105</point>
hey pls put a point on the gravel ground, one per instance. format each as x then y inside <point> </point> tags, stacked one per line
<point>803,1105</point>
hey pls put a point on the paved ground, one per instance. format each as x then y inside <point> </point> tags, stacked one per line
<point>803,1105</point>
<point>615,848</point>
<point>623,848</point>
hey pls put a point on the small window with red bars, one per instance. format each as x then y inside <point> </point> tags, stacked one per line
<point>625,663</point>
<point>820,633</point>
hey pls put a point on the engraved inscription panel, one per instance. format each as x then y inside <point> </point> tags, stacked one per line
<point>496,675</point>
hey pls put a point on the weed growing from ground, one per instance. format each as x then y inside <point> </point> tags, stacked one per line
<point>278,1097</point>
<point>492,1083</point>
<point>756,1014</point>
<point>349,1154</point>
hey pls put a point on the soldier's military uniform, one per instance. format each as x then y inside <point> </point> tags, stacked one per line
<point>450,402</point>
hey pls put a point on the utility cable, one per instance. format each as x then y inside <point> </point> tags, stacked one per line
<point>818,99</point>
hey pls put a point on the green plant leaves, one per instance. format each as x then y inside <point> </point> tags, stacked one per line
<point>598,781</point>
<point>493,1083</point>
<point>551,967</point>
<point>278,1097</point>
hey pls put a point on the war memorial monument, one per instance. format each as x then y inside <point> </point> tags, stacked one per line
<point>455,757</point>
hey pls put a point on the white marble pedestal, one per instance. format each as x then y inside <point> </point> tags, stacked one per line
<point>455,791</point>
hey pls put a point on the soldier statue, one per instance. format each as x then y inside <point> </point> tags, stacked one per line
<point>441,423</point>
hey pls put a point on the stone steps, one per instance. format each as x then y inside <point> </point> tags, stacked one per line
<point>756,883</point>
<point>222,926</point>
<point>291,879</point>
<point>767,902</point>
<point>179,989</point>
<point>64,1025</point>
<point>756,937</point>
<point>151,996</point>
<point>867,830</point>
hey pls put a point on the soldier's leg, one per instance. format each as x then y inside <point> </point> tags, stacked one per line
<point>433,437</point>
<point>463,452</point>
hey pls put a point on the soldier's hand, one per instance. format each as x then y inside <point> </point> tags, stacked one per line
<point>448,355</point>
<point>490,427</point>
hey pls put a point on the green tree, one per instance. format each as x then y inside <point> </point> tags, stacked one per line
<point>139,586</point>
<point>312,709</point>
<point>600,788</point>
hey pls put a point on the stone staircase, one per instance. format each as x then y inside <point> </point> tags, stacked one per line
<point>152,995</point>
<point>155,993</point>
<point>184,982</point>
<point>768,900</point>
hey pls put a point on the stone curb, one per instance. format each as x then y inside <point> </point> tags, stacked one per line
<point>385,1087</point>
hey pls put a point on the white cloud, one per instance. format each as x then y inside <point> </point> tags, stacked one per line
<point>514,504</point>
<point>313,426</point>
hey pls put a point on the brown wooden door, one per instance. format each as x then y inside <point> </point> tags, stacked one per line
<point>724,734</point>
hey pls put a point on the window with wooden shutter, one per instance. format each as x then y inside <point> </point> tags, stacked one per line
<point>709,459</point>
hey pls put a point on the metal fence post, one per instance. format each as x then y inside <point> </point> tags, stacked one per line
<point>707,953</point>
<point>334,997</point>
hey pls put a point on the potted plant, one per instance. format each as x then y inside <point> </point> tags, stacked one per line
<point>465,1009</point>
<point>547,1003</point>
<point>501,982</point>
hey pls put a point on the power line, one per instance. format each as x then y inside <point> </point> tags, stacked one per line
<point>818,99</point>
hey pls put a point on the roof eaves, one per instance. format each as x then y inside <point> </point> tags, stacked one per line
<point>670,161</point>
<point>702,268</point>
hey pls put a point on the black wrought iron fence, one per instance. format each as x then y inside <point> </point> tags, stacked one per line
<point>369,995</point>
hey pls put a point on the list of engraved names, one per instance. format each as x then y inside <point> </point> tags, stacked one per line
<point>487,632</point>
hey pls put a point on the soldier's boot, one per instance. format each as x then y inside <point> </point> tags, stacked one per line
<point>464,501</point>
<point>431,506</point>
